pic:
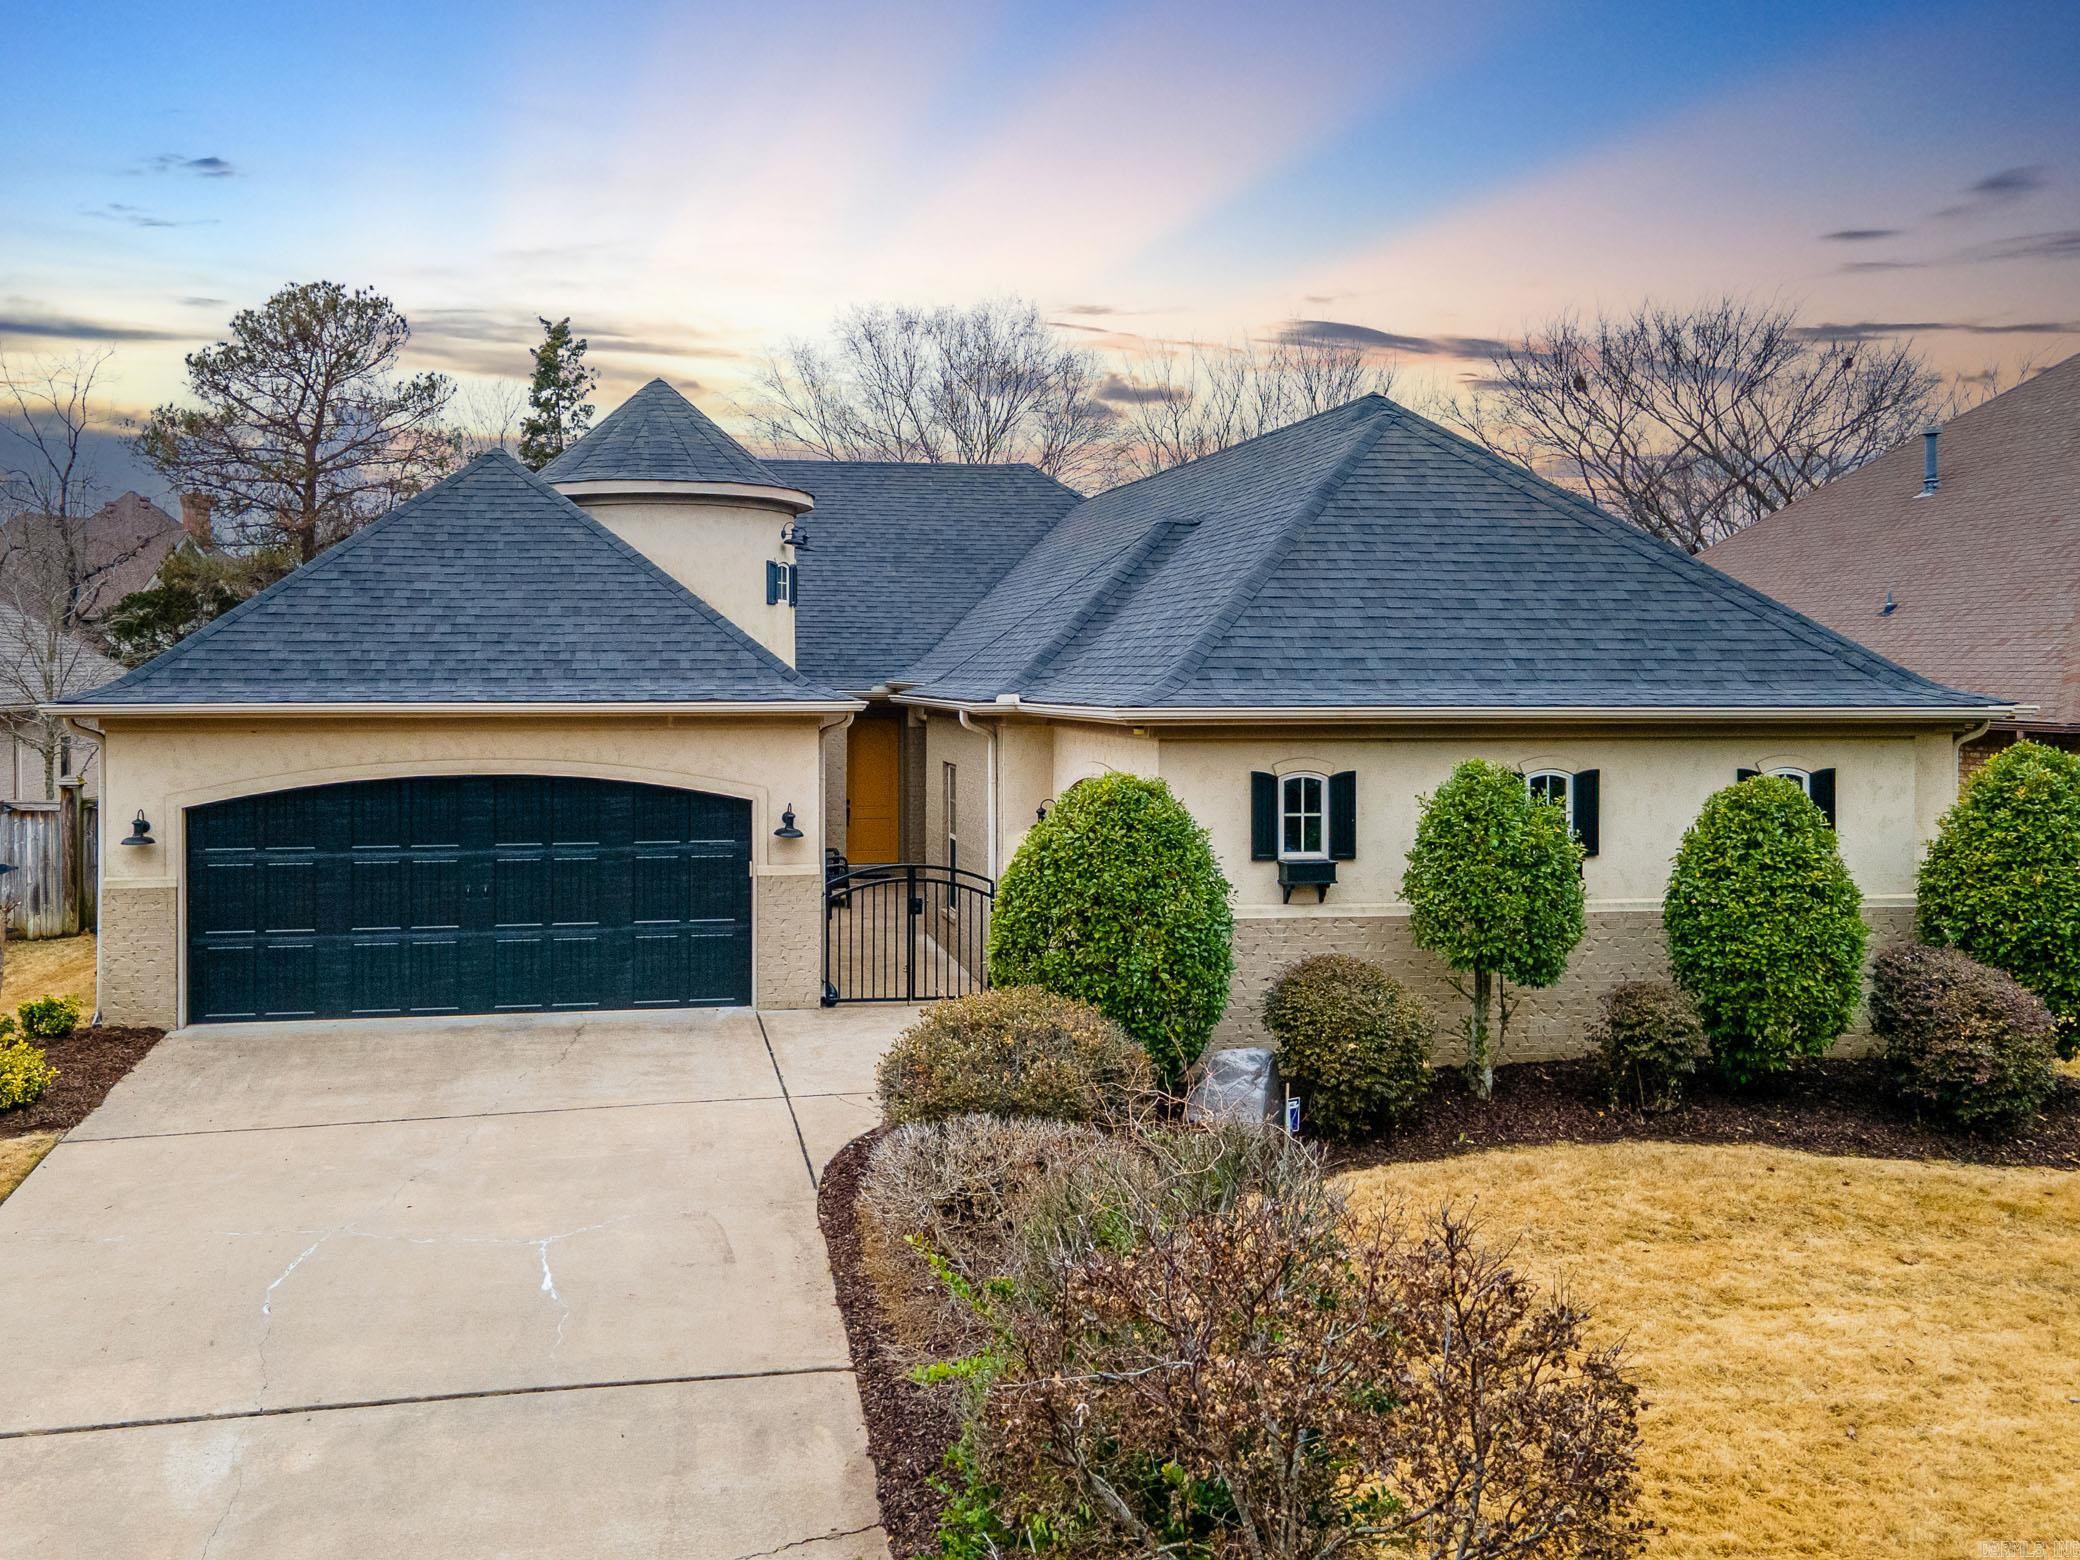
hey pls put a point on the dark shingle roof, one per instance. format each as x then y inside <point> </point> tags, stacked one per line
<point>490,587</point>
<point>1366,557</point>
<point>1983,574</point>
<point>657,435</point>
<point>897,553</point>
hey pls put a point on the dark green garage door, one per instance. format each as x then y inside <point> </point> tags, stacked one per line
<point>467,894</point>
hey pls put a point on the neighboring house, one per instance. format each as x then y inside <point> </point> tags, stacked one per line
<point>122,544</point>
<point>1957,554</point>
<point>40,663</point>
<point>583,739</point>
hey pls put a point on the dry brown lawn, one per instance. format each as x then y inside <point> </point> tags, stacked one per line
<point>18,1156</point>
<point>1841,1357</point>
<point>49,967</point>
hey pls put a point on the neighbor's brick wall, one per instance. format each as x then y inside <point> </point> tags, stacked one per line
<point>139,939</point>
<point>1548,1024</point>
<point>787,939</point>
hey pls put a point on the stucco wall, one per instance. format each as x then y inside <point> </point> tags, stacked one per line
<point>946,741</point>
<point>717,550</point>
<point>164,766</point>
<point>834,754</point>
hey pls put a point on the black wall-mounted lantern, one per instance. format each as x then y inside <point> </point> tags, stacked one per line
<point>795,535</point>
<point>140,830</point>
<point>1040,812</point>
<point>787,830</point>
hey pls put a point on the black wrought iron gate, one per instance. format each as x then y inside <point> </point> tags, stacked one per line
<point>908,932</point>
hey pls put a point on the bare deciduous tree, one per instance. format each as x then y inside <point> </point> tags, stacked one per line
<point>1693,423</point>
<point>303,431</point>
<point>988,383</point>
<point>485,416</point>
<point>1180,402</point>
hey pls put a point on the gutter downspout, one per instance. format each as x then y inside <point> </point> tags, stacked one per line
<point>100,738</point>
<point>989,786</point>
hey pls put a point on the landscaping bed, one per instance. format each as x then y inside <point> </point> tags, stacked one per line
<point>1828,1106</point>
<point>90,1062</point>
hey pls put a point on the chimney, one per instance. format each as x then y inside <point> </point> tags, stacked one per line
<point>195,518</point>
<point>1930,481</point>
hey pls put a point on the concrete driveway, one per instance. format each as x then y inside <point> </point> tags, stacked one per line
<point>535,1286</point>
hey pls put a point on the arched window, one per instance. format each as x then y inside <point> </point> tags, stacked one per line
<point>1303,823</point>
<point>1802,778</point>
<point>1553,785</point>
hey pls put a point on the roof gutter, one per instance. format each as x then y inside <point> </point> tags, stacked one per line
<point>713,707</point>
<point>1380,714</point>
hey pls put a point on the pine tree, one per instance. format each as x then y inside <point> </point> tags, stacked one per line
<point>557,412</point>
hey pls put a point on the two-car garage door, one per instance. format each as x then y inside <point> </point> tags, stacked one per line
<point>467,894</point>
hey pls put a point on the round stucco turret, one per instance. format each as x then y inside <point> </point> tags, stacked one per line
<point>666,480</point>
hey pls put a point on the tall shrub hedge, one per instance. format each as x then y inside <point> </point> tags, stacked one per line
<point>1115,898</point>
<point>1765,927</point>
<point>2002,880</point>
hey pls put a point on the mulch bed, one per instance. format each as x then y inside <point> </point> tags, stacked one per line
<point>90,1062</point>
<point>1822,1107</point>
<point>908,1427</point>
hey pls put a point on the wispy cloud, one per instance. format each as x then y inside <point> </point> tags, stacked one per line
<point>59,328</point>
<point>197,167</point>
<point>2057,244</point>
<point>1860,235</point>
<point>138,217</point>
<point>2000,188</point>
<point>1116,388</point>
<point>1390,341</point>
<point>1864,330</point>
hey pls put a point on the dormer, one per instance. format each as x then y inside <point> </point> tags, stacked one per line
<point>662,477</point>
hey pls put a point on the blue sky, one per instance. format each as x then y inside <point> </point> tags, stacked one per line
<point>695,183</point>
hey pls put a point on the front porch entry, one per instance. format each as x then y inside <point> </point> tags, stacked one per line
<point>873,791</point>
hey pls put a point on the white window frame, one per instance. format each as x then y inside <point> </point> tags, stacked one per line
<point>1802,778</point>
<point>1566,779</point>
<point>1320,814</point>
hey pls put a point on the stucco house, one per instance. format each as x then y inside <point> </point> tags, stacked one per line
<point>585,739</point>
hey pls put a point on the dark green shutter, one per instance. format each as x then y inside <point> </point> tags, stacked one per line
<point>1263,816</point>
<point>1745,774</point>
<point>1343,815</point>
<point>773,585</point>
<point>1588,825</point>
<point>1820,786</point>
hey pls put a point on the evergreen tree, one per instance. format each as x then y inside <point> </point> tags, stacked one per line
<point>557,412</point>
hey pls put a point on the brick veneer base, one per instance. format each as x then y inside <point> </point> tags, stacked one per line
<point>1547,1025</point>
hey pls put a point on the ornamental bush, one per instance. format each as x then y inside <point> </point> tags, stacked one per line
<point>2002,880</point>
<point>49,1018</point>
<point>1765,930</point>
<point>25,1072</point>
<point>1494,886</point>
<point>1964,1042</point>
<point>1650,1042</point>
<point>1115,898</point>
<point>1012,1051</point>
<point>1354,1044</point>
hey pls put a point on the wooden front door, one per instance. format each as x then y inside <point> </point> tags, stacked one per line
<point>873,790</point>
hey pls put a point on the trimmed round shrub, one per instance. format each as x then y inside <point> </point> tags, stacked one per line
<point>1765,927</point>
<point>25,1072</point>
<point>1353,1042</point>
<point>1116,898</point>
<point>49,1018</point>
<point>2001,882</point>
<point>1964,1042</point>
<point>1650,1042</point>
<point>1013,1051</point>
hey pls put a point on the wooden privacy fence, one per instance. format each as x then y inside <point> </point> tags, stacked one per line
<point>54,848</point>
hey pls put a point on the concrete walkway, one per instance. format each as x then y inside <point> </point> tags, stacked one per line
<point>533,1286</point>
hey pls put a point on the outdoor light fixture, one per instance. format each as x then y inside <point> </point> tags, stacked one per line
<point>1040,812</point>
<point>787,830</point>
<point>793,535</point>
<point>140,830</point>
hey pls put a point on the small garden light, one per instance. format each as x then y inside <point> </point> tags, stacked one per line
<point>140,830</point>
<point>787,830</point>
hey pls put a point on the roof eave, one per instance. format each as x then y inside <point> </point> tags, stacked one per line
<point>635,489</point>
<point>1382,714</point>
<point>481,707</point>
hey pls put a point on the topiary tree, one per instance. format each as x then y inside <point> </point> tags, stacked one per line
<point>1765,931</point>
<point>1115,898</point>
<point>1494,884</point>
<point>2002,880</point>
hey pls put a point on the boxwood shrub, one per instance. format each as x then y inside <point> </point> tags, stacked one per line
<point>1650,1041</point>
<point>1353,1043</point>
<point>1765,929</point>
<point>2002,880</point>
<point>1115,898</point>
<point>49,1018</point>
<point>1014,1051</point>
<point>25,1072</point>
<point>1965,1043</point>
